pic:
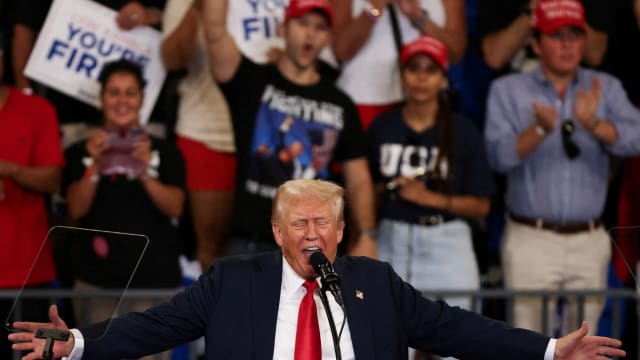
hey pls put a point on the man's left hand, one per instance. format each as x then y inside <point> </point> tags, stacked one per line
<point>587,102</point>
<point>578,345</point>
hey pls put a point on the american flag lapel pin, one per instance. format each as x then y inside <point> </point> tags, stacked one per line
<point>359,294</point>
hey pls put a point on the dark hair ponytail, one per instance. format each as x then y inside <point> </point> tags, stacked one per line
<point>445,141</point>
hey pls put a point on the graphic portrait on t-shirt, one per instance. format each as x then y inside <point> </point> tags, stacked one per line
<point>294,138</point>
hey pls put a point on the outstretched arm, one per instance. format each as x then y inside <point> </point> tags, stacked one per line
<point>499,47</point>
<point>224,55</point>
<point>596,46</point>
<point>454,31</point>
<point>351,33</point>
<point>578,346</point>
<point>179,45</point>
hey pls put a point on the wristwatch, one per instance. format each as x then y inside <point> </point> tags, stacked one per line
<point>154,164</point>
<point>540,130</point>
<point>372,12</point>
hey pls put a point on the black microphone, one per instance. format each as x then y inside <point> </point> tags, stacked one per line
<point>330,280</point>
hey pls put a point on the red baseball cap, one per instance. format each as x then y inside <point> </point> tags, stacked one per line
<point>298,8</point>
<point>551,15</point>
<point>428,46</point>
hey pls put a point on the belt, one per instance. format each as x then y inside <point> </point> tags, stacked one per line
<point>431,220</point>
<point>570,228</point>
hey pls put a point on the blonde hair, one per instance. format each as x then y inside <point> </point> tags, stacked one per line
<point>294,191</point>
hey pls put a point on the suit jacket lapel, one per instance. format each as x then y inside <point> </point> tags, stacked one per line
<point>358,316</point>
<point>265,301</point>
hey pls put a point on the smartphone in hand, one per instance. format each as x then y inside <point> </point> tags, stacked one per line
<point>117,158</point>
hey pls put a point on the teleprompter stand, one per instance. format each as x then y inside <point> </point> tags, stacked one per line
<point>51,335</point>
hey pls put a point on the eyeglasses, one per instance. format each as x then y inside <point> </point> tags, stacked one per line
<point>570,147</point>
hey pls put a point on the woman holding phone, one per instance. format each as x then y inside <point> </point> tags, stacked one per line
<point>122,179</point>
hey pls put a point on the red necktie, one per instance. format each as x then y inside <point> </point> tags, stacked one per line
<point>308,332</point>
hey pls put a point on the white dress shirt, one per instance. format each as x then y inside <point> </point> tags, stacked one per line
<point>291,294</point>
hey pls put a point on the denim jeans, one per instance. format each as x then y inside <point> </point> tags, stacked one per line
<point>437,257</point>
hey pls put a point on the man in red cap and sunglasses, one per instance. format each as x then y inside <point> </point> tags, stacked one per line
<point>551,131</point>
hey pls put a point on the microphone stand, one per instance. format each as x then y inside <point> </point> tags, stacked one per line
<point>332,324</point>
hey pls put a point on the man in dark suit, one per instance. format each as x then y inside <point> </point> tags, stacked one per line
<point>246,307</point>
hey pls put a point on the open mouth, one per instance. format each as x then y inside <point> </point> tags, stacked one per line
<point>307,49</point>
<point>310,250</point>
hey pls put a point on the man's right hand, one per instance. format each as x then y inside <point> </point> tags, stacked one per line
<point>26,341</point>
<point>546,116</point>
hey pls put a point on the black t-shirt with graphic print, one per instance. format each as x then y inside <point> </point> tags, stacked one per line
<point>284,131</point>
<point>394,149</point>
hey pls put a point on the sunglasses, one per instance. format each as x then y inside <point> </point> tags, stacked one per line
<point>570,147</point>
<point>414,140</point>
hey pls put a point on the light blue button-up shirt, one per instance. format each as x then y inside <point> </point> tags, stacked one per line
<point>547,184</point>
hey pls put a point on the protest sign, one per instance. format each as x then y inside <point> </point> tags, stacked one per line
<point>78,37</point>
